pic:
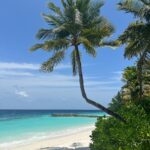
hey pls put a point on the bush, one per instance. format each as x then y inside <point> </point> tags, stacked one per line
<point>111,134</point>
<point>145,103</point>
<point>117,103</point>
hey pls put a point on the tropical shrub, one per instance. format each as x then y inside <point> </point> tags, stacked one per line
<point>145,103</point>
<point>111,134</point>
<point>117,102</point>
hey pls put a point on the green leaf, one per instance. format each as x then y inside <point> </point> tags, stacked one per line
<point>49,65</point>
<point>54,8</point>
<point>88,46</point>
<point>36,46</point>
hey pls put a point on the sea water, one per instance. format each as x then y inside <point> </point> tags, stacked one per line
<point>25,126</point>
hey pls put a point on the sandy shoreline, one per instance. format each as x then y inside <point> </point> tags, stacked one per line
<point>82,138</point>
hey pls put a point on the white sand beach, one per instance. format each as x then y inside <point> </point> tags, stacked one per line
<point>81,138</point>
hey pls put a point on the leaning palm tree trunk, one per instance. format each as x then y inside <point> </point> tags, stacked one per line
<point>97,105</point>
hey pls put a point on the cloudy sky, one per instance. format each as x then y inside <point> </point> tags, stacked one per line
<point>24,86</point>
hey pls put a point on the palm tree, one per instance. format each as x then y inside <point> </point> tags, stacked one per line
<point>117,102</point>
<point>77,24</point>
<point>137,35</point>
<point>139,8</point>
<point>130,90</point>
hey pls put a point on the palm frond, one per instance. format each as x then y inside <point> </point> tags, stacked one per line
<point>97,33</point>
<point>56,33</point>
<point>90,12</point>
<point>53,19</point>
<point>49,65</point>
<point>55,45</point>
<point>82,5</point>
<point>54,8</point>
<point>133,49</point>
<point>131,6</point>
<point>146,2</point>
<point>135,31</point>
<point>44,34</point>
<point>35,47</point>
<point>70,2</point>
<point>64,3</point>
<point>88,46</point>
<point>136,37</point>
<point>140,8</point>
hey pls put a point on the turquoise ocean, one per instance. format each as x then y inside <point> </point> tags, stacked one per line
<point>20,126</point>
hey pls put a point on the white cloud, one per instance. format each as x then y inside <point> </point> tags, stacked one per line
<point>23,69</point>
<point>34,86</point>
<point>117,76</point>
<point>14,73</point>
<point>118,72</point>
<point>22,93</point>
<point>63,66</point>
<point>32,79</point>
<point>14,66</point>
<point>11,65</point>
<point>57,81</point>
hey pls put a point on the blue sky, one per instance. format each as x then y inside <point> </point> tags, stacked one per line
<point>23,86</point>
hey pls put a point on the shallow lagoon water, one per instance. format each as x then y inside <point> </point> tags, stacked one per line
<point>18,126</point>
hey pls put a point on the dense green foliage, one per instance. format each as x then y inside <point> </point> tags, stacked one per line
<point>111,134</point>
<point>145,103</point>
<point>116,103</point>
<point>131,88</point>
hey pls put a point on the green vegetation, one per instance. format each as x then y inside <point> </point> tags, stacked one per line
<point>133,100</point>
<point>111,134</point>
<point>137,35</point>
<point>131,88</point>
